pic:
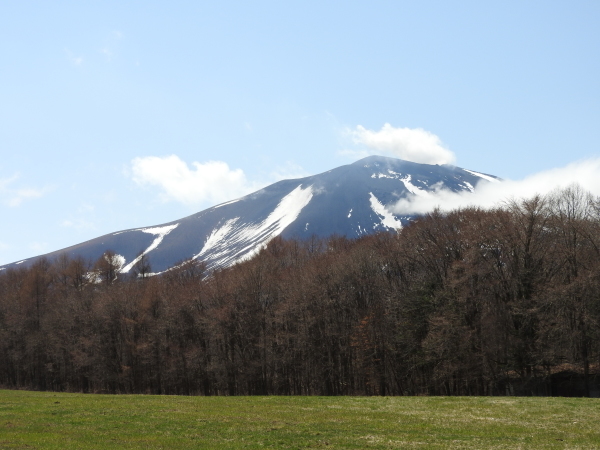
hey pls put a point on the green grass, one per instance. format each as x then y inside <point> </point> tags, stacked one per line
<point>50,420</point>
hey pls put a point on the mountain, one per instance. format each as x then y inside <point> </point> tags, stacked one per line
<point>349,200</point>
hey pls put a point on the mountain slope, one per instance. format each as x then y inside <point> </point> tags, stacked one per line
<point>349,200</point>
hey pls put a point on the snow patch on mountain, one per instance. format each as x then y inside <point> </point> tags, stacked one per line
<point>236,241</point>
<point>480,175</point>
<point>415,190</point>
<point>227,203</point>
<point>383,175</point>
<point>405,179</point>
<point>160,233</point>
<point>469,186</point>
<point>216,236</point>
<point>387,218</point>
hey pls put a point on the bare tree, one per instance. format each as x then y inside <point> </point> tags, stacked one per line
<point>142,268</point>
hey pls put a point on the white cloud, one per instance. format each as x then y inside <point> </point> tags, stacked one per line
<point>4,182</point>
<point>411,144</point>
<point>86,207</point>
<point>488,195</point>
<point>19,195</point>
<point>15,196</point>
<point>107,53</point>
<point>111,41</point>
<point>82,219</point>
<point>78,224</point>
<point>209,182</point>
<point>75,60</point>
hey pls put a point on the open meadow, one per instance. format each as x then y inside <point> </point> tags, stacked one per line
<point>50,420</point>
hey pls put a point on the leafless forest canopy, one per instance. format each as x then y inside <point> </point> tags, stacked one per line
<point>472,302</point>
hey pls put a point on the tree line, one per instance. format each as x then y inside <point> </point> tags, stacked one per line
<point>470,302</point>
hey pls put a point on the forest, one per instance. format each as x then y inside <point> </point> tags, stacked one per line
<point>470,302</point>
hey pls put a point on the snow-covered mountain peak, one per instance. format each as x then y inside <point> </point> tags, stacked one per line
<point>350,200</point>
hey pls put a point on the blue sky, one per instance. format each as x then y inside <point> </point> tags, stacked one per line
<point>123,114</point>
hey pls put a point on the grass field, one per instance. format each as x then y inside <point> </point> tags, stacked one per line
<point>30,420</point>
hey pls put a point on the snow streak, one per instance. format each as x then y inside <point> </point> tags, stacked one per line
<point>234,241</point>
<point>415,190</point>
<point>485,177</point>
<point>387,218</point>
<point>160,233</point>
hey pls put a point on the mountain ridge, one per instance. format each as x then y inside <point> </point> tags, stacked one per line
<point>350,200</point>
